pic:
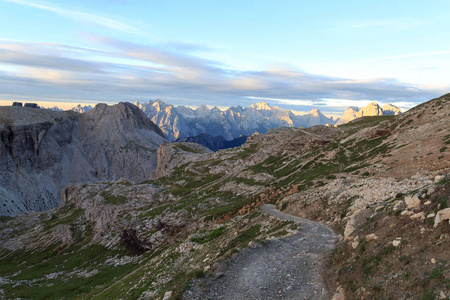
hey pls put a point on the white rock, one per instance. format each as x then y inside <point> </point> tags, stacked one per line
<point>442,215</point>
<point>433,261</point>
<point>340,294</point>
<point>412,201</point>
<point>371,237</point>
<point>418,215</point>
<point>355,244</point>
<point>427,203</point>
<point>396,243</point>
<point>167,295</point>
<point>407,212</point>
<point>438,178</point>
<point>432,215</point>
<point>349,229</point>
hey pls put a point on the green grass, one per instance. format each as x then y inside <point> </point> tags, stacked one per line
<point>35,266</point>
<point>243,238</point>
<point>113,199</point>
<point>187,149</point>
<point>67,215</point>
<point>247,151</point>
<point>247,181</point>
<point>211,236</point>
<point>367,121</point>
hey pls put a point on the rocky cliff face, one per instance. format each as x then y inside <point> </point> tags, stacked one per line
<point>179,122</point>
<point>42,151</point>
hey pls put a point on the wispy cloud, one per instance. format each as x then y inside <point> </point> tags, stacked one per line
<point>77,15</point>
<point>145,72</point>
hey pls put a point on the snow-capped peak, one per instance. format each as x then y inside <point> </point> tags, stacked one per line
<point>261,106</point>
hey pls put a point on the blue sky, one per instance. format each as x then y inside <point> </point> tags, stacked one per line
<point>294,54</point>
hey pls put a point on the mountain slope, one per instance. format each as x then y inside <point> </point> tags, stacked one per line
<point>382,183</point>
<point>42,151</point>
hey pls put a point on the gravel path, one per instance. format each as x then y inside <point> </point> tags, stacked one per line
<point>287,268</point>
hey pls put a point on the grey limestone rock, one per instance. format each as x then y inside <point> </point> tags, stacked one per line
<point>42,151</point>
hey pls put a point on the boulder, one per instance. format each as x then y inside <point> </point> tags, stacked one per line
<point>412,201</point>
<point>340,294</point>
<point>349,229</point>
<point>438,178</point>
<point>371,237</point>
<point>442,215</point>
<point>418,215</point>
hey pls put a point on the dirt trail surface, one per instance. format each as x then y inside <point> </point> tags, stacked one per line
<point>288,268</point>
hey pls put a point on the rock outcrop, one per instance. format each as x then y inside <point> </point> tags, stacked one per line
<point>41,151</point>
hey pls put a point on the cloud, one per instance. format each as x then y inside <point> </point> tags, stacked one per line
<point>25,58</point>
<point>77,15</point>
<point>130,71</point>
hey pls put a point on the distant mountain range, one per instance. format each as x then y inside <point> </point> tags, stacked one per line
<point>181,122</point>
<point>78,108</point>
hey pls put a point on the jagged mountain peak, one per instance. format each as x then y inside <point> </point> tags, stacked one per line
<point>315,112</point>
<point>202,109</point>
<point>261,106</point>
<point>123,112</point>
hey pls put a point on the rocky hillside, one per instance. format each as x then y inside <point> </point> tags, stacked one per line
<point>215,143</point>
<point>381,182</point>
<point>180,121</point>
<point>41,151</point>
<point>373,109</point>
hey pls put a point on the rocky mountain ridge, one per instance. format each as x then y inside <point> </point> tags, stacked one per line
<point>372,109</point>
<point>42,151</point>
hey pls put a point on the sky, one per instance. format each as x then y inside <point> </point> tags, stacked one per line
<point>296,54</point>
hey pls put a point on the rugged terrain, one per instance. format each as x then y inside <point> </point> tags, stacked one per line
<point>42,151</point>
<point>382,183</point>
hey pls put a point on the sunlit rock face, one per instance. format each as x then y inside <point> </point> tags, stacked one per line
<point>373,109</point>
